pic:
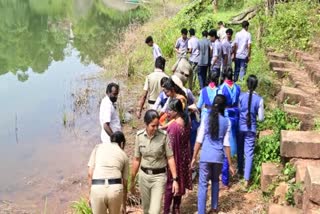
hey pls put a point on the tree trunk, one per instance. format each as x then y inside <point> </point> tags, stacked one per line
<point>215,6</point>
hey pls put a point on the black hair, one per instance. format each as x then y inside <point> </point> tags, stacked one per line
<point>245,24</point>
<point>184,31</point>
<point>205,33</point>
<point>218,106</point>
<point>220,23</point>
<point>149,39</point>
<point>118,137</point>
<point>177,106</point>
<point>110,86</point>
<point>229,31</point>
<point>150,115</point>
<point>213,33</point>
<point>228,74</point>
<point>171,86</point>
<point>160,63</point>
<point>214,77</point>
<point>163,80</point>
<point>252,83</point>
<point>192,32</point>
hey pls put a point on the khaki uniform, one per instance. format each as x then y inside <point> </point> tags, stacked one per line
<point>182,67</point>
<point>153,153</point>
<point>109,162</point>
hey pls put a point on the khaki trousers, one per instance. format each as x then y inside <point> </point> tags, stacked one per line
<point>152,189</point>
<point>105,198</point>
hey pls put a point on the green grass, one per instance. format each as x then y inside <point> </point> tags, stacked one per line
<point>81,207</point>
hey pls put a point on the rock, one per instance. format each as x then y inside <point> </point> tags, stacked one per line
<point>280,193</point>
<point>301,144</point>
<point>282,72</point>
<point>269,173</point>
<point>298,199</point>
<point>301,166</point>
<point>304,114</point>
<point>278,209</point>
<point>127,117</point>
<point>277,56</point>
<point>265,133</point>
<point>312,184</point>
<point>280,64</point>
<point>308,206</point>
<point>291,96</point>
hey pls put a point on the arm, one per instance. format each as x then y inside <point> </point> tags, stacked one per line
<point>189,47</point>
<point>261,111</point>
<point>141,103</point>
<point>107,128</point>
<point>90,174</point>
<point>228,154</point>
<point>226,144</point>
<point>172,167</point>
<point>249,48</point>
<point>199,141</point>
<point>177,46</point>
<point>134,170</point>
<point>125,173</point>
<point>157,103</point>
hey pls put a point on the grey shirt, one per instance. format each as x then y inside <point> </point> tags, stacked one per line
<point>182,44</point>
<point>204,50</point>
<point>193,44</point>
<point>216,52</point>
<point>227,50</point>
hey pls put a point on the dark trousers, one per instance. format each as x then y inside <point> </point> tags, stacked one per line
<point>202,76</point>
<point>238,65</point>
<point>168,198</point>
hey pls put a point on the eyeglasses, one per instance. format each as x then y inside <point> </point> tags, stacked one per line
<point>186,75</point>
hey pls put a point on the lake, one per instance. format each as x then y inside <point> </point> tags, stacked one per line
<point>51,52</point>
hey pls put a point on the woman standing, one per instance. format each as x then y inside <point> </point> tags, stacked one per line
<point>152,155</point>
<point>250,106</point>
<point>213,136</point>
<point>232,92</point>
<point>179,136</point>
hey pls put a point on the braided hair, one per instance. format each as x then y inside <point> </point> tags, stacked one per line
<point>252,83</point>
<point>218,106</point>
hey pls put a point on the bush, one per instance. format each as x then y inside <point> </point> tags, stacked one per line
<point>81,207</point>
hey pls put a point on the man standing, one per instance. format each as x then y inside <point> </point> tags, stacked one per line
<point>204,55</point>
<point>227,50</point>
<point>181,46</point>
<point>109,117</point>
<point>222,31</point>
<point>156,51</point>
<point>152,85</point>
<point>242,51</point>
<point>193,49</point>
<point>216,52</point>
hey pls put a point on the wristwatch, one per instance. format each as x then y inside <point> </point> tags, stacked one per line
<point>175,179</point>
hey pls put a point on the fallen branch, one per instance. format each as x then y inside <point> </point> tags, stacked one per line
<point>247,17</point>
<point>243,14</point>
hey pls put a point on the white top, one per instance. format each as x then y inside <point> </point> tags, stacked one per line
<point>222,33</point>
<point>108,114</point>
<point>156,51</point>
<point>242,40</point>
<point>193,44</point>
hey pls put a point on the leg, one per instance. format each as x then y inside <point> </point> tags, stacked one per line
<point>225,172</point>
<point>249,144</point>
<point>157,183</point>
<point>240,152</point>
<point>242,68</point>
<point>194,71</point>
<point>145,190</point>
<point>236,69</point>
<point>176,204</point>
<point>202,76</point>
<point>204,172</point>
<point>115,198</point>
<point>168,197</point>
<point>98,193</point>
<point>216,171</point>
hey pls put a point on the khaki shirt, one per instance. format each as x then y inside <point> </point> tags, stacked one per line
<point>109,161</point>
<point>153,152</point>
<point>152,84</point>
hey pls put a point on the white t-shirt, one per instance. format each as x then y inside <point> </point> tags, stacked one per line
<point>156,51</point>
<point>108,114</point>
<point>222,33</point>
<point>242,40</point>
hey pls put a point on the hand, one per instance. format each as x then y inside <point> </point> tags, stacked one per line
<point>89,202</point>
<point>248,59</point>
<point>175,187</point>
<point>133,188</point>
<point>193,163</point>
<point>232,170</point>
<point>124,210</point>
<point>138,113</point>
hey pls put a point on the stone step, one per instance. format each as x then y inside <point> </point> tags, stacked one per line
<point>280,64</point>
<point>315,49</point>
<point>269,173</point>
<point>313,69</point>
<point>302,113</point>
<point>301,166</point>
<point>277,56</point>
<point>303,57</point>
<point>291,95</point>
<point>312,183</point>
<point>279,209</point>
<point>300,144</point>
<point>282,72</point>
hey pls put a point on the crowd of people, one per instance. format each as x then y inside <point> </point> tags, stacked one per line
<point>220,124</point>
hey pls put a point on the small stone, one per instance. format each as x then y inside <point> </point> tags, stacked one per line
<point>280,193</point>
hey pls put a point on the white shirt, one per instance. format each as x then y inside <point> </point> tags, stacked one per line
<point>242,40</point>
<point>156,51</point>
<point>108,114</point>
<point>222,33</point>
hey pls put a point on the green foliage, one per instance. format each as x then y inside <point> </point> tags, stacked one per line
<point>293,188</point>
<point>289,171</point>
<point>292,25</point>
<point>81,207</point>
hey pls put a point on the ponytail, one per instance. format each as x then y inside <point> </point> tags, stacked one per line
<point>252,83</point>
<point>249,110</point>
<point>218,106</point>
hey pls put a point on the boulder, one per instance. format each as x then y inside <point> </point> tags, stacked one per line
<point>269,173</point>
<point>280,193</point>
<point>278,209</point>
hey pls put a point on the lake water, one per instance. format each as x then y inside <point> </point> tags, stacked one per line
<point>50,53</point>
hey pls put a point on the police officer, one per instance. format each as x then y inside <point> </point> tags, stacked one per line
<point>153,153</point>
<point>108,176</point>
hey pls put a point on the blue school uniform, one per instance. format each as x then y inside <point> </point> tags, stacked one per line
<point>247,135</point>
<point>211,159</point>
<point>206,99</point>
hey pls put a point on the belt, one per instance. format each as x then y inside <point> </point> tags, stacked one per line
<point>151,102</point>
<point>103,181</point>
<point>150,171</point>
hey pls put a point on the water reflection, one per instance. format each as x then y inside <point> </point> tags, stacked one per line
<point>35,33</point>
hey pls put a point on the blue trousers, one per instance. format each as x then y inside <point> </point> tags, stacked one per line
<point>208,171</point>
<point>246,143</point>
<point>202,76</point>
<point>239,63</point>
<point>193,134</point>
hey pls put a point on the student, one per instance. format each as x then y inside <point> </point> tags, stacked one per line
<point>222,31</point>
<point>152,85</point>
<point>250,106</point>
<point>227,50</point>
<point>193,49</point>
<point>181,46</point>
<point>162,98</point>
<point>156,51</point>
<point>213,136</point>
<point>232,92</point>
<point>216,52</point>
<point>242,46</point>
<point>204,56</point>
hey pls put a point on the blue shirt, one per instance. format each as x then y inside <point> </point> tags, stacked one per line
<point>212,150</point>
<point>232,94</point>
<point>257,109</point>
<point>206,97</point>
